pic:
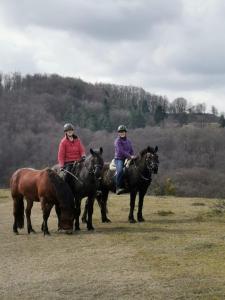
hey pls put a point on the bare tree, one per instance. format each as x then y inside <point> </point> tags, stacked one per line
<point>179,105</point>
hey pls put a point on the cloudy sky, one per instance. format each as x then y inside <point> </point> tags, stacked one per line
<point>174,48</point>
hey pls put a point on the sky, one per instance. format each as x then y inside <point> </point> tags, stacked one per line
<point>172,48</point>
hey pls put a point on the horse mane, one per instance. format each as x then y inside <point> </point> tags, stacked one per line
<point>63,192</point>
<point>148,149</point>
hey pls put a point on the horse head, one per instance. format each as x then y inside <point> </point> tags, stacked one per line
<point>95,162</point>
<point>150,157</point>
<point>66,220</point>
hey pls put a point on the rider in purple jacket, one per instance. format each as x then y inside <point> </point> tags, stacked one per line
<point>123,150</point>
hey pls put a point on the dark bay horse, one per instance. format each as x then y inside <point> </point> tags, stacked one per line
<point>84,182</point>
<point>44,186</point>
<point>137,177</point>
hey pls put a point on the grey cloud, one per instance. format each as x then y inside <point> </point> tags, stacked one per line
<point>106,20</point>
<point>175,46</point>
<point>14,59</point>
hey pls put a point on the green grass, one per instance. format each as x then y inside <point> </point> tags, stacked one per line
<point>165,212</point>
<point>4,195</point>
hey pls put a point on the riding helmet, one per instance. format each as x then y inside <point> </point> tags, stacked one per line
<point>122,128</point>
<point>68,126</point>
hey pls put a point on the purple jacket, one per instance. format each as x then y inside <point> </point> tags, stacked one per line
<point>123,148</point>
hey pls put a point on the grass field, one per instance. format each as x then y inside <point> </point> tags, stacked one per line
<point>178,253</point>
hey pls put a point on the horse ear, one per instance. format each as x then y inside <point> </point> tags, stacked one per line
<point>92,151</point>
<point>156,149</point>
<point>101,150</point>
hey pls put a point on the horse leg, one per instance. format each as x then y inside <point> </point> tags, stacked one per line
<point>102,202</point>
<point>58,213</point>
<point>77,213</point>
<point>46,209</point>
<point>133,194</point>
<point>84,216</point>
<point>90,212</point>
<point>18,212</point>
<point>28,213</point>
<point>142,193</point>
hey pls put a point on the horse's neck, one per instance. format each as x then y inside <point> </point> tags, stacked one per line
<point>141,166</point>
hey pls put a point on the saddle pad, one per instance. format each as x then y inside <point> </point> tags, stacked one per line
<point>112,165</point>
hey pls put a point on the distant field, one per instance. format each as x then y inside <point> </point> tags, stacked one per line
<point>178,253</point>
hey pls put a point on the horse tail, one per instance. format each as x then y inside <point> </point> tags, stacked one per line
<point>18,206</point>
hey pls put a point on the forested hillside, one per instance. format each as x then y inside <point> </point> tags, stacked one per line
<point>34,108</point>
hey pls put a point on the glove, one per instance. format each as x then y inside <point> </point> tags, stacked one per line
<point>83,158</point>
<point>133,157</point>
<point>61,169</point>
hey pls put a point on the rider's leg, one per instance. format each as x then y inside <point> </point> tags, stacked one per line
<point>119,175</point>
<point>68,178</point>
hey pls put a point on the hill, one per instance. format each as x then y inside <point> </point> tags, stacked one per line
<point>34,108</point>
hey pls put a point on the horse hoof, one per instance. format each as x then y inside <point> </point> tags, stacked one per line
<point>141,219</point>
<point>32,230</point>
<point>132,221</point>
<point>106,220</point>
<point>91,228</point>
<point>46,233</point>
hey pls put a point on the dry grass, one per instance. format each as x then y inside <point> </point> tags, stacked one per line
<point>174,256</point>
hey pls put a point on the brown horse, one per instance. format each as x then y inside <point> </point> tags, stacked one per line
<point>48,188</point>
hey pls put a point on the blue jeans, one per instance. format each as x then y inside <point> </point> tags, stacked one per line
<point>119,172</point>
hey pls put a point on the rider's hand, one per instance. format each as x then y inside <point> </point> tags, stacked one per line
<point>61,169</point>
<point>133,157</point>
<point>83,158</point>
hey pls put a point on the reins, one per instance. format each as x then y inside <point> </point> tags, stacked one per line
<point>80,181</point>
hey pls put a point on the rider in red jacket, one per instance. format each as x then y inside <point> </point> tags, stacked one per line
<point>70,150</point>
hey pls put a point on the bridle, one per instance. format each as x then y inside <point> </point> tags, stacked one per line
<point>149,165</point>
<point>150,161</point>
<point>95,169</point>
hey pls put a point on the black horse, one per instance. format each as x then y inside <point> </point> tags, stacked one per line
<point>137,177</point>
<point>84,181</point>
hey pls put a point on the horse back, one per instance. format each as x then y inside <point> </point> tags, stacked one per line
<point>28,183</point>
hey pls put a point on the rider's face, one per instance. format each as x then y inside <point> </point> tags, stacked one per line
<point>122,133</point>
<point>70,132</point>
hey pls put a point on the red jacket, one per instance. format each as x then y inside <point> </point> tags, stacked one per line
<point>70,151</point>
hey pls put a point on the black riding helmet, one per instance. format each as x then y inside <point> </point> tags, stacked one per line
<point>122,128</point>
<point>68,126</point>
